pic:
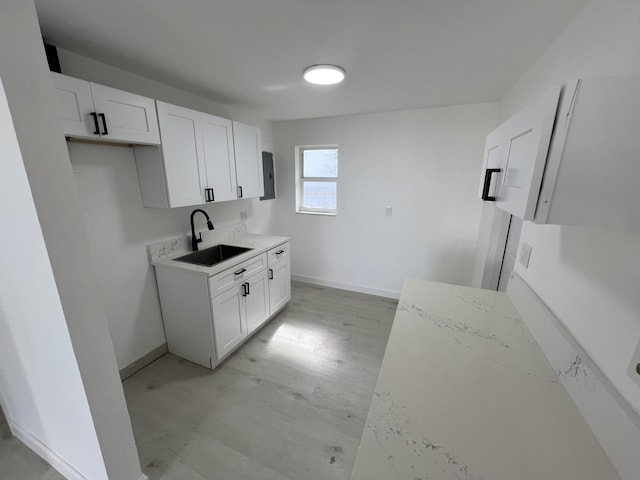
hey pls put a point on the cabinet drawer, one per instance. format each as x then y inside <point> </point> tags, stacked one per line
<point>278,254</point>
<point>236,275</point>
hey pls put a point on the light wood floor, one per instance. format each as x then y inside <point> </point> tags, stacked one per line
<point>289,404</point>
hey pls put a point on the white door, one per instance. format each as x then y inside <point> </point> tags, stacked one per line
<point>248,149</point>
<point>75,106</point>
<point>518,149</point>
<point>228,320</point>
<point>257,301</point>
<point>279,285</point>
<point>183,156</point>
<point>219,157</point>
<point>124,116</point>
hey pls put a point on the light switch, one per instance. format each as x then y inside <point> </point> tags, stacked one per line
<point>388,211</point>
<point>525,254</point>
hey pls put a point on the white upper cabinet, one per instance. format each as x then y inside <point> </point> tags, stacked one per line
<point>196,162</point>
<point>182,155</point>
<point>248,149</point>
<point>75,105</point>
<point>89,110</point>
<point>593,170</point>
<point>219,157</point>
<point>515,156</point>
<point>125,116</point>
<point>589,176</point>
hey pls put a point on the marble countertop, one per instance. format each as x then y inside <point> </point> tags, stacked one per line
<point>465,393</point>
<point>257,243</point>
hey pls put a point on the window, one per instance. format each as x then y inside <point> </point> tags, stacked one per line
<point>317,178</point>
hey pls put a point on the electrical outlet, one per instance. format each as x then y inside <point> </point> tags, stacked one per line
<point>388,211</point>
<point>525,254</point>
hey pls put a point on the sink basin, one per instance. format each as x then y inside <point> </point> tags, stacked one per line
<point>212,255</point>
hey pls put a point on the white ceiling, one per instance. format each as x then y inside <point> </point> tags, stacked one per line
<point>398,54</point>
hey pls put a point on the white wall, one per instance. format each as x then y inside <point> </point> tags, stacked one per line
<point>63,401</point>
<point>120,228</point>
<point>36,355</point>
<point>424,163</point>
<point>589,278</point>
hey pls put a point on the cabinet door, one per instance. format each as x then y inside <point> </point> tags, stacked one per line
<point>219,157</point>
<point>182,155</point>
<point>257,301</point>
<point>75,105</point>
<point>125,117</point>
<point>248,149</point>
<point>593,169</point>
<point>279,285</point>
<point>518,148</point>
<point>228,321</point>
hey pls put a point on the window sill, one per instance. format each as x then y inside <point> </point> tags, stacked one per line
<point>311,212</point>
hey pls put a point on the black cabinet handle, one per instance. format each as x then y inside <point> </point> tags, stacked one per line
<point>248,288</point>
<point>213,197</point>
<point>95,123</point>
<point>240,272</point>
<point>280,252</point>
<point>208,195</point>
<point>487,184</point>
<point>271,274</point>
<point>244,289</point>
<point>239,191</point>
<point>104,124</point>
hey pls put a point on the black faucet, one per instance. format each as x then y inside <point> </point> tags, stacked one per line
<point>195,241</point>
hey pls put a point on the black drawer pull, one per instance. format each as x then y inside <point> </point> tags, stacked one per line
<point>104,124</point>
<point>280,252</point>
<point>271,274</point>
<point>487,184</point>
<point>240,272</point>
<point>95,123</point>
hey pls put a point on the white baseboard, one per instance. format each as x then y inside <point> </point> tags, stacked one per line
<point>43,451</point>
<point>66,470</point>
<point>611,418</point>
<point>143,361</point>
<point>346,286</point>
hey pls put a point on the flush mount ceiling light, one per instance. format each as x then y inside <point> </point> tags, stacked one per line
<point>324,74</point>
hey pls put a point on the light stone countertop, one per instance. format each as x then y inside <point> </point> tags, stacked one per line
<point>258,244</point>
<point>465,393</point>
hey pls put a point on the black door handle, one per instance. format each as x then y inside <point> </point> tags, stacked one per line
<point>239,191</point>
<point>95,123</point>
<point>271,274</point>
<point>248,288</point>
<point>244,289</point>
<point>213,197</point>
<point>487,184</point>
<point>104,124</point>
<point>208,195</point>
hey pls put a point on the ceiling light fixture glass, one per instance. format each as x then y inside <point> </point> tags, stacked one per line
<point>324,74</point>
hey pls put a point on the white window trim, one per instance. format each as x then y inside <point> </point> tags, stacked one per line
<point>300,180</point>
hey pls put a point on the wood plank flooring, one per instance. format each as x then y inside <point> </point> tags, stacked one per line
<point>290,404</point>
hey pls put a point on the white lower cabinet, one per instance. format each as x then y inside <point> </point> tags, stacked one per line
<point>208,317</point>
<point>228,321</point>
<point>256,301</point>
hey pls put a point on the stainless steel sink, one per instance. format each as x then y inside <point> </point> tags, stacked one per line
<point>212,255</point>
